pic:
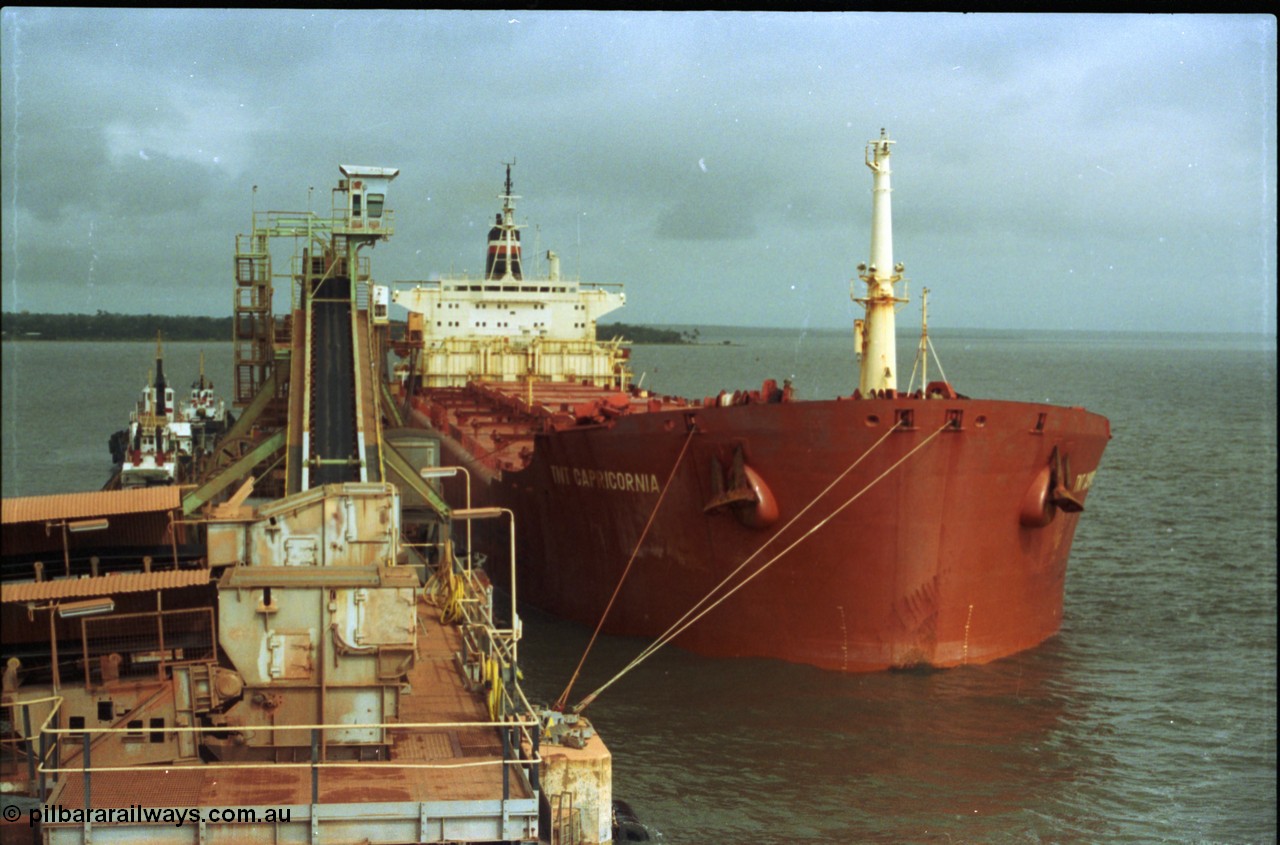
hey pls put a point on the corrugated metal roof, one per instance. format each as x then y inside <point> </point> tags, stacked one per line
<point>116,582</point>
<point>85,505</point>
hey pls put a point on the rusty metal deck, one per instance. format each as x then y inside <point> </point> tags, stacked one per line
<point>462,797</point>
<point>497,421</point>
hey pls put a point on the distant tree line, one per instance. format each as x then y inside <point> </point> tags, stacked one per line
<point>104,325</point>
<point>643,334</point>
<point>23,325</point>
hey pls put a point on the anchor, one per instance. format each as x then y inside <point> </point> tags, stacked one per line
<point>743,491</point>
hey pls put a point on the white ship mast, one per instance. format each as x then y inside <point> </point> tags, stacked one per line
<point>875,338</point>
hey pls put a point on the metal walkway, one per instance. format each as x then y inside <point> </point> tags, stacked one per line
<point>448,779</point>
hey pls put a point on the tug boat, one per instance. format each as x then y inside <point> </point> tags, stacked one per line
<point>206,414</point>
<point>166,441</point>
<point>884,529</point>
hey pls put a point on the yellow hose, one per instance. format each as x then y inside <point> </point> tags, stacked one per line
<point>444,588</point>
<point>493,674</point>
<point>452,608</point>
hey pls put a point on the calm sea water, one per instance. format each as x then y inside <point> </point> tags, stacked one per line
<point>1150,718</point>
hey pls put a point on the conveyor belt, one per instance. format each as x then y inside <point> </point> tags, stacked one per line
<point>332,387</point>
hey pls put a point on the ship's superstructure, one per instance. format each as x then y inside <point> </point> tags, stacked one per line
<point>508,327</point>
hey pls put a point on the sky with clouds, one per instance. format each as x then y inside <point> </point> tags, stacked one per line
<point>1089,172</point>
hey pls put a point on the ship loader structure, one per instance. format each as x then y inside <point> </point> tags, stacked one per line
<point>288,649</point>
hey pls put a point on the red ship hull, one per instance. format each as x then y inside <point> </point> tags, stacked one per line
<point>954,553</point>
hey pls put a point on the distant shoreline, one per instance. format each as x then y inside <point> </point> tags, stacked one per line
<point>107,327</point>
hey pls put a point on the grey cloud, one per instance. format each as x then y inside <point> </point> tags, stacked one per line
<point>1025,143</point>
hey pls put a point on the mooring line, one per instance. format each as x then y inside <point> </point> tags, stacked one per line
<point>564,696</point>
<point>670,635</point>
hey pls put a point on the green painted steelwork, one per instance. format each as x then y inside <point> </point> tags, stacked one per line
<point>389,406</point>
<point>254,410</point>
<point>238,470</point>
<point>397,465</point>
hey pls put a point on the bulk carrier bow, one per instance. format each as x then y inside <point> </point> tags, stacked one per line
<point>883,529</point>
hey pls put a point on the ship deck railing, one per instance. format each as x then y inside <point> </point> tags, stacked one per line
<point>467,283</point>
<point>306,224</point>
<point>508,402</point>
<point>56,745</point>
<point>459,801</point>
<point>482,640</point>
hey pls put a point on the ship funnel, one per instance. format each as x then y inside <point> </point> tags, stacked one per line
<point>878,347</point>
<point>553,264</point>
<point>503,259</point>
<point>161,385</point>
